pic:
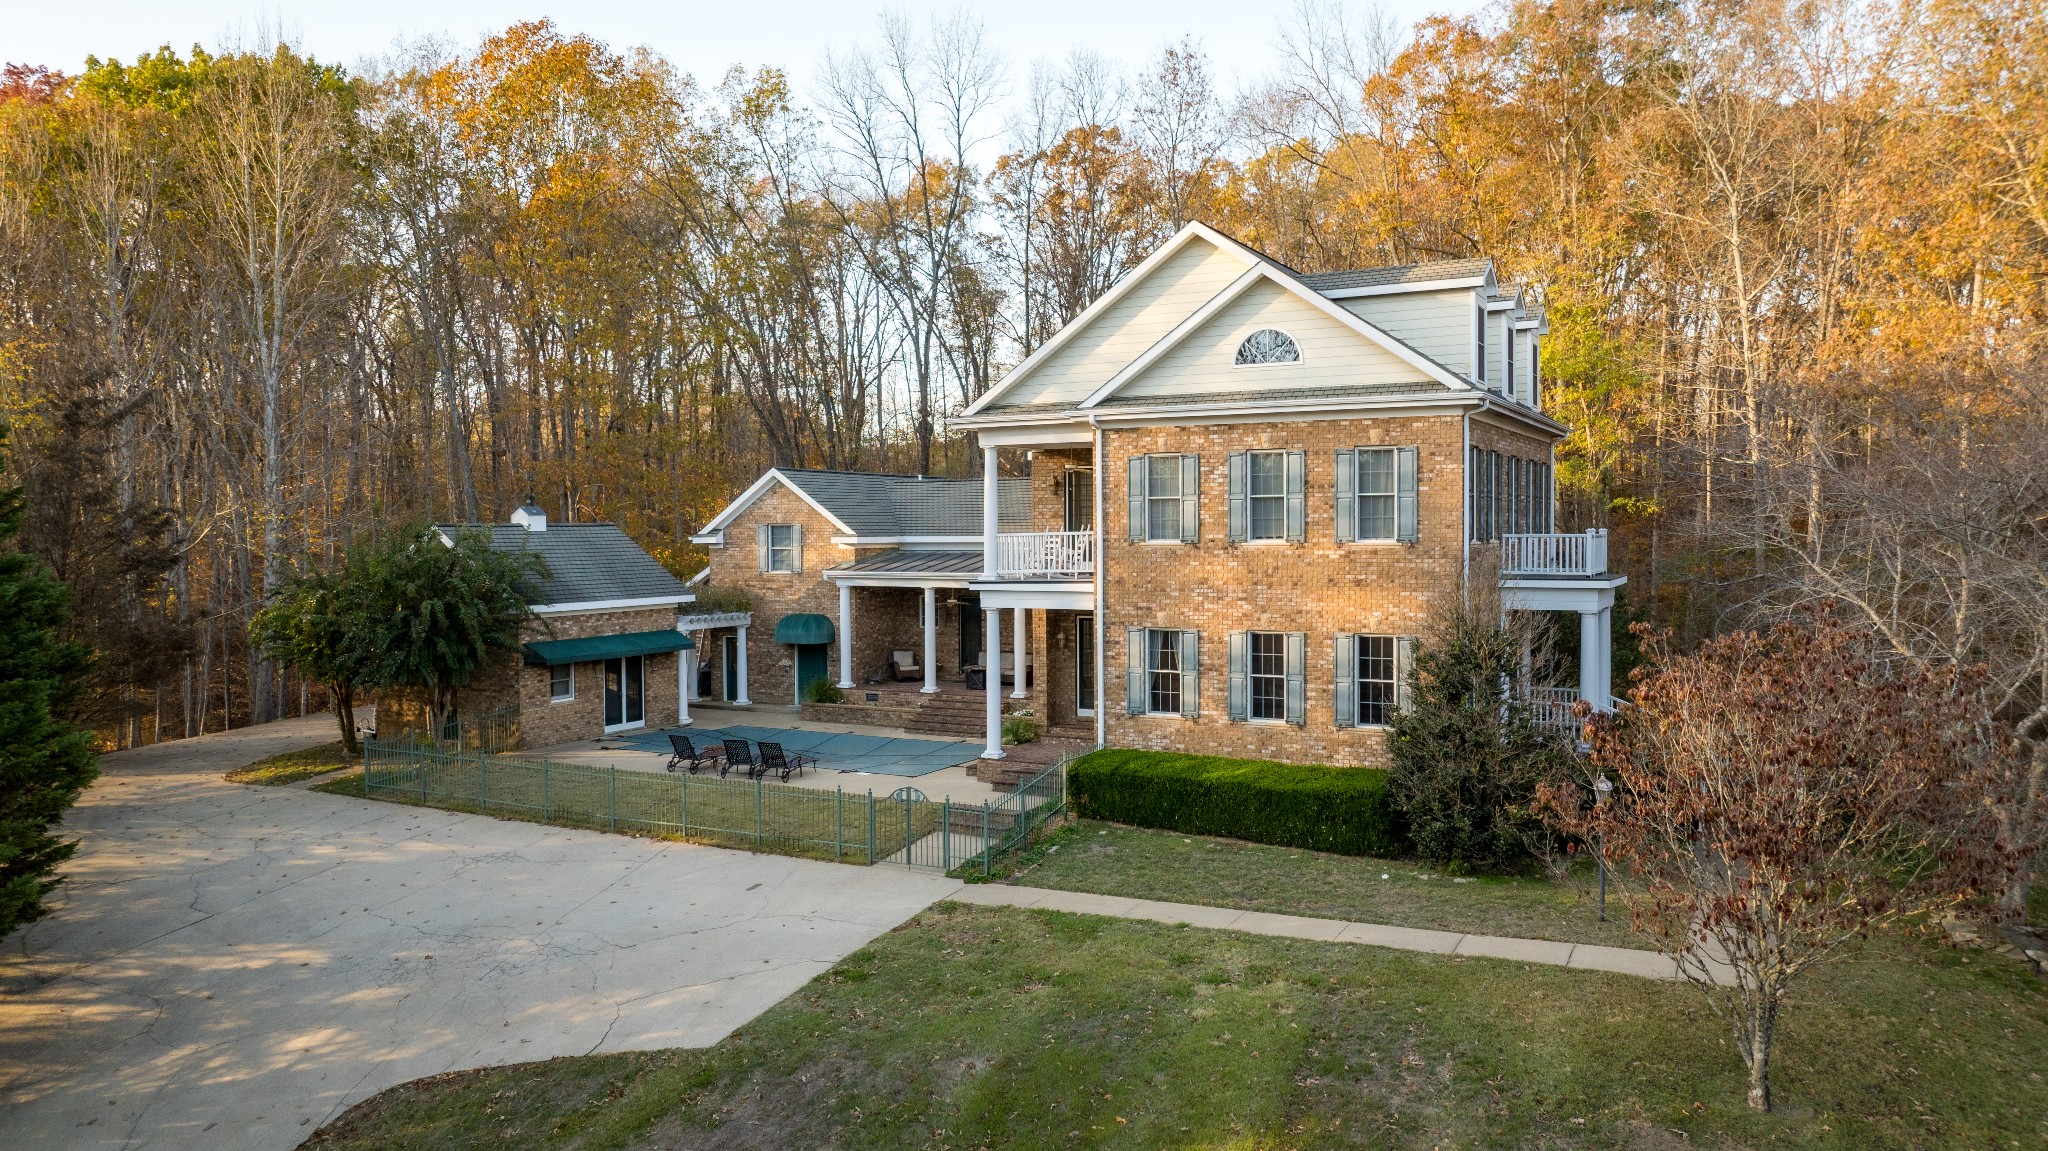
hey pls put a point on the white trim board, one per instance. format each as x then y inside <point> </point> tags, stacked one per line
<point>754,492</point>
<point>609,605</point>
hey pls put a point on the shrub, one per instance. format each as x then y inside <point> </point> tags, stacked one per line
<point>823,691</point>
<point>717,600</point>
<point>1019,729</point>
<point>1466,758</point>
<point>1340,809</point>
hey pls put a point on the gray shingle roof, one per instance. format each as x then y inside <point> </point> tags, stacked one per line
<point>586,562</point>
<point>922,563</point>
<point>1397,274</point>
<point>894,505</point>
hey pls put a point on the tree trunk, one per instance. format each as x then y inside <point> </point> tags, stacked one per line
<point>345,714</point>
<point>1763,1019</point>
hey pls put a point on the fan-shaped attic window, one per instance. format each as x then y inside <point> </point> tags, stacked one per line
<point>1268,346</point>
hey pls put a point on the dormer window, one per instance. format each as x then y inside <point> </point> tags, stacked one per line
<point>1268,346</point>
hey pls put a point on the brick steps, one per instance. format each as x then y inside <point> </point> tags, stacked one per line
<point>959,715</point>
<point>1022,762</point>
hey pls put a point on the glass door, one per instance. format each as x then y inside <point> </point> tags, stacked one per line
<point>1084,664</point>
<point>1080,499</point>
<point>625,692</point>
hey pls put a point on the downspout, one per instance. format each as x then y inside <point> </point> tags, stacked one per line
<point>1101,586</point>
<point>1469,494</point>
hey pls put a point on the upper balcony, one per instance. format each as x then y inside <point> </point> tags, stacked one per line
<point>1045,555</point>
<point>1570,555</point>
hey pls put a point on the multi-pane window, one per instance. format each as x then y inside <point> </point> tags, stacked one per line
<point>1266,675</point>
<point>1162,498</point>
<point>1268,346</point>
<point>561,682</point>
<point>1479,365</point>
<point>1162,672</point>
<point>1266,494</point>
<point>1378,492</point>
<point>782,555</point>
<point>1376,680</point>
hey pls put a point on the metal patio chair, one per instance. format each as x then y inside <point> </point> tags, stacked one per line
<point>738,753</point>
<point>687,752</point>
<point>775,759</point>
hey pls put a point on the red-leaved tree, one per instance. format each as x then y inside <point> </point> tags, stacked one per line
<point>1779,793</point>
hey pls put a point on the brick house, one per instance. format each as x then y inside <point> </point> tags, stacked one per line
<point>603,651</point>
<point>1243,489</point>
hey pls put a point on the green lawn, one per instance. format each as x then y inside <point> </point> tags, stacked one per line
<point>997,1027</point>
<point>1110,859</point>
<point>293,766</point>
<point>751,815</point>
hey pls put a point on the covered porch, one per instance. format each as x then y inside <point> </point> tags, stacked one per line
<point>1566,572</point>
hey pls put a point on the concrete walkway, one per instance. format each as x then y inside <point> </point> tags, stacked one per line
<point>228,967</point>
<point>1582,956</point>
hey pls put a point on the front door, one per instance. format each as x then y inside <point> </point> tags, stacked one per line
<point>970,633</point>
<point>731,649</point>
<point>1084,665</point>
<point>810,666</point>
<point>625,692</point>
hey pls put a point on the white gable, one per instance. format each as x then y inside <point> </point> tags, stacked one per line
<point>1333,354</point>
<point>1147,311</point>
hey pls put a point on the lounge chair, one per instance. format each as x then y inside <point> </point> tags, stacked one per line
<point>903,666</point>
<point>786,764</point>
<point>738,754</point>
<point>688,752</point>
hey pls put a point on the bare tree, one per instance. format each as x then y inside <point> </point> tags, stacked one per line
<point>1777,795</point>
<point>270,188</point>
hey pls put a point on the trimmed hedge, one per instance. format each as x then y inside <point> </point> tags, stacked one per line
<point>1348,810</point>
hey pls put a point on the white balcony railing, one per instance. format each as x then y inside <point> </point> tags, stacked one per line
<point>1553,708</point>
<point>1554,554</point>
<point>1045,555</point>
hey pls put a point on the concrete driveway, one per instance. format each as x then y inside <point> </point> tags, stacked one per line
<point>230,967</point>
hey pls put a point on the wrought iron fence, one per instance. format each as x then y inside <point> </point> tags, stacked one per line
<point>903,828</point>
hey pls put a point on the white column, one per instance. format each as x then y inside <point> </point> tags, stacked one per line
<point>1017,634</point>
<point>1589,657</point>
<point>992,642</point>
<point>686,681</point>
<point>931,641</point>
<point>845,635</point>
<point>990,509</point>
<point>743,701</point>
<point>1606,685</point>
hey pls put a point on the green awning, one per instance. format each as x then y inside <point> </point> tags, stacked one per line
<point>548,652</point>
<point>804,627</point>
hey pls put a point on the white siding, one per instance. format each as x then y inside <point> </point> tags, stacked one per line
<point>1332,355</point>
<point>1121,334</point>
<point>1437,324</point>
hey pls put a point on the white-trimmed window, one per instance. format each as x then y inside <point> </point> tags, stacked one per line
<point>1268,346</point>
<point>1376,494</point>
<point>782,548</point>
<point>561,682</point>
<point>1268,677</point>
<point>1266,500</point>
<point>1479,364</point>
<point>1165,498</point>
<point>1372,678</point>
<point>1163,671</point>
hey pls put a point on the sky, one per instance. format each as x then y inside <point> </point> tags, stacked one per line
<point>702,38</point>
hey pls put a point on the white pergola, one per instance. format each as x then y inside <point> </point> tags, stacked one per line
<point>686,661</point>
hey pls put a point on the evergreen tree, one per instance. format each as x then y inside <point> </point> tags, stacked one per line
<point>1466,756</point>
<point>318,623</point>
<point>45,762</point>
<point>438,612</point>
